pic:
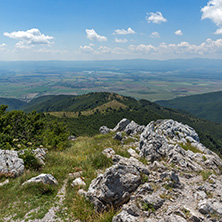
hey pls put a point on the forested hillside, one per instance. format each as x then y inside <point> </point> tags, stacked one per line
<point>83,115</point>
<point>207,106</point>
<point>13,104</point>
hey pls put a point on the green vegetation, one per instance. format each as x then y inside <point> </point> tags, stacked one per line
<point>205,174</point>
<point>84,114</point>
<point>207,106</point>
<point>148,207</point>
<point>188,146</point>
<point>30,161</point>
<point>13,104</point>
<point>143,79</point>
<point>19,130</point>
<point>85,155</point>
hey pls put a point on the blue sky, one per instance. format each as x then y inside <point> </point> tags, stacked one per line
<point>110,29</point>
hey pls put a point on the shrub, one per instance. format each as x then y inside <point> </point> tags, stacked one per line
<point>30,161</point>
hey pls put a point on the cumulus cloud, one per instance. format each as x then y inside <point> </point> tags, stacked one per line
<point>179,32</point>
<point>213,11</point>
<point>124,32</point>
<point>104,50</point>
<point>155,17</point>
<point>30,38</point>
<point>3,45</point>
<point>86,48</point>
<point>218,32</point>
<point>121,40</point>
<point>93,36</point>
<point>155,35</point>
<point>207,47</point>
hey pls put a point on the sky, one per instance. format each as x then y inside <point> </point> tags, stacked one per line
<point>110,29</point>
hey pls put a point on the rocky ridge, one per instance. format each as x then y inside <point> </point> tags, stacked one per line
<point>171,176</point>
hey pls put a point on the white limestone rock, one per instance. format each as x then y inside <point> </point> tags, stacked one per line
<point>43,178</point>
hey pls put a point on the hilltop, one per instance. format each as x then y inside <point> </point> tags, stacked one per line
<point>158,172</point>
<point>84,114</point>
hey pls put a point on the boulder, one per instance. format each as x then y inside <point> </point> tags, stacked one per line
<point>108,152</point>
<point>113,188</point>
<point>40,154</point>
<point>10,163</point>
<point>121,125</point>
<point>133,153</point>
<point>78,182</point>
<point>133,128</point>
<point>152,202</point>
<point>72,138</point>
<point>129,213</point>
<point>43,178</point>
<point>208,206</point>
<point>118,136</point>
<point>104,130</point>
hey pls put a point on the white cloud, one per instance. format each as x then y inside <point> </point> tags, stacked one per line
<point>3,45</point>
<point>208,47</point>
<point>121,40</point>
<point>155,35</point>
<point>92,35</point>
<point>155,17</point>
<point>27,39</point>
<point>142,48</point>
<point>213,11</point>
<point>86,48</point>
<point>179,32</point>
<point>104,50</point>
<point>124,32</point>
<point>218,31</point>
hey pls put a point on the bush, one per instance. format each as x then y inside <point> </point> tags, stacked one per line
<point>30,161</point>
<point>20,130</point>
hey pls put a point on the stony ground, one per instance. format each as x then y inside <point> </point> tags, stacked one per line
<point>159,172</point>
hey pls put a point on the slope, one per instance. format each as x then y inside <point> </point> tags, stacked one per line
<point>71,103</point>
<point>84,115</point>
<point>13,104</point>
<point>207,106</point>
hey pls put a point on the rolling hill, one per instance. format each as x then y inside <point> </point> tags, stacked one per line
<point>84,114</point>
<point>206,106</point>
<point>13,104</point>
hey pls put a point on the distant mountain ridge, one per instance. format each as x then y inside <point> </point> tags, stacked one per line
<point>207,106</point>
<point>170,64</point>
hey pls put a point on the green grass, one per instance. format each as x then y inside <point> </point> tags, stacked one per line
<point>188,146</point>
<point>84,154</point>
<point>205,174</point>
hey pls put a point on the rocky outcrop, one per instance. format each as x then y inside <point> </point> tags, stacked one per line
<point>113,188</point>
<point>121,125</point>
<point>181,181</point>
<point>40,154</point>
<point>10,164</point>
<point>133,128</point>
<point>118,136</point>
<point>43,178</point>
<point>104,130</point>
<point>108,152</point>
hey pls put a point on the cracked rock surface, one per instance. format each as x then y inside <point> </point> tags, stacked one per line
<point>179,180</point>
